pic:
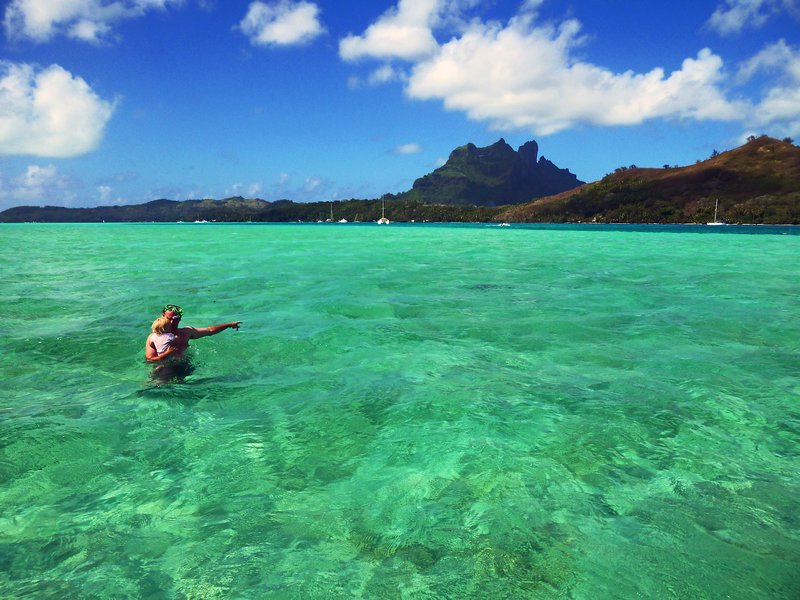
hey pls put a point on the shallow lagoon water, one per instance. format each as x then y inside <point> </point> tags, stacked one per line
<point>407,412</point>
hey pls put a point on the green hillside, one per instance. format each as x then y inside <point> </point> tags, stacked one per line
<point>758,182</point>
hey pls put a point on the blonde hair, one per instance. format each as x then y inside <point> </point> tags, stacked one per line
<point>160,325</point>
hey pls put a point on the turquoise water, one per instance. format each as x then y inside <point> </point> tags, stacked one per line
<point>407,412</point>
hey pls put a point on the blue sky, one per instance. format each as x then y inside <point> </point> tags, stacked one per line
<point>126,101</point>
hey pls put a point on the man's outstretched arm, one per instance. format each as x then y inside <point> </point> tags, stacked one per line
<point>199,332</point>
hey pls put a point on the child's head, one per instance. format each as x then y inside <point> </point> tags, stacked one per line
<point>161,325</point>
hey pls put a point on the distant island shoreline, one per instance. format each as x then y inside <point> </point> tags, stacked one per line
<point>530,225</point>
<point>757,183</point>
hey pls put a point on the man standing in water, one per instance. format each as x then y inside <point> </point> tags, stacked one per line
<point>155,352</point>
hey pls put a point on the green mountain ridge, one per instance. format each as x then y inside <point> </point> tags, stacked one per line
<point>492,176</point>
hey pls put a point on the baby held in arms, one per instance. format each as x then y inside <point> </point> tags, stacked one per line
<point>162,338</point>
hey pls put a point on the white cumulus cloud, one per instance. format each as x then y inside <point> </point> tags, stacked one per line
<point>282,23</point>
<point>86,20</point>
<point>520,76</point>
<point>49,112</point>
<point>37,185</point>
<point>779,108</point>
<point>403,32</point>
<point>530,75</point>
<point>384,74</point>
<point>778,57</point>
<point>734,16</point>
<point>250,190</point>
<point>104,193</point>
<point>312,184</point>
<point>407,149</point>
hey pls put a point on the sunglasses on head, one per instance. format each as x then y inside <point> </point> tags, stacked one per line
<point>172,308</point>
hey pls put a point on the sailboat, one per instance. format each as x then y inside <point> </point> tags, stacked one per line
<point>715,221</point>
<point>383,220</point>
<point>331,219</point>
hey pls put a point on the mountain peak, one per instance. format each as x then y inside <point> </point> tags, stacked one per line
<point>491,176</point>
<point>528,152</point>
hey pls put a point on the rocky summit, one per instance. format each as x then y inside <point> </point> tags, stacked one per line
<point>492,176</point>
